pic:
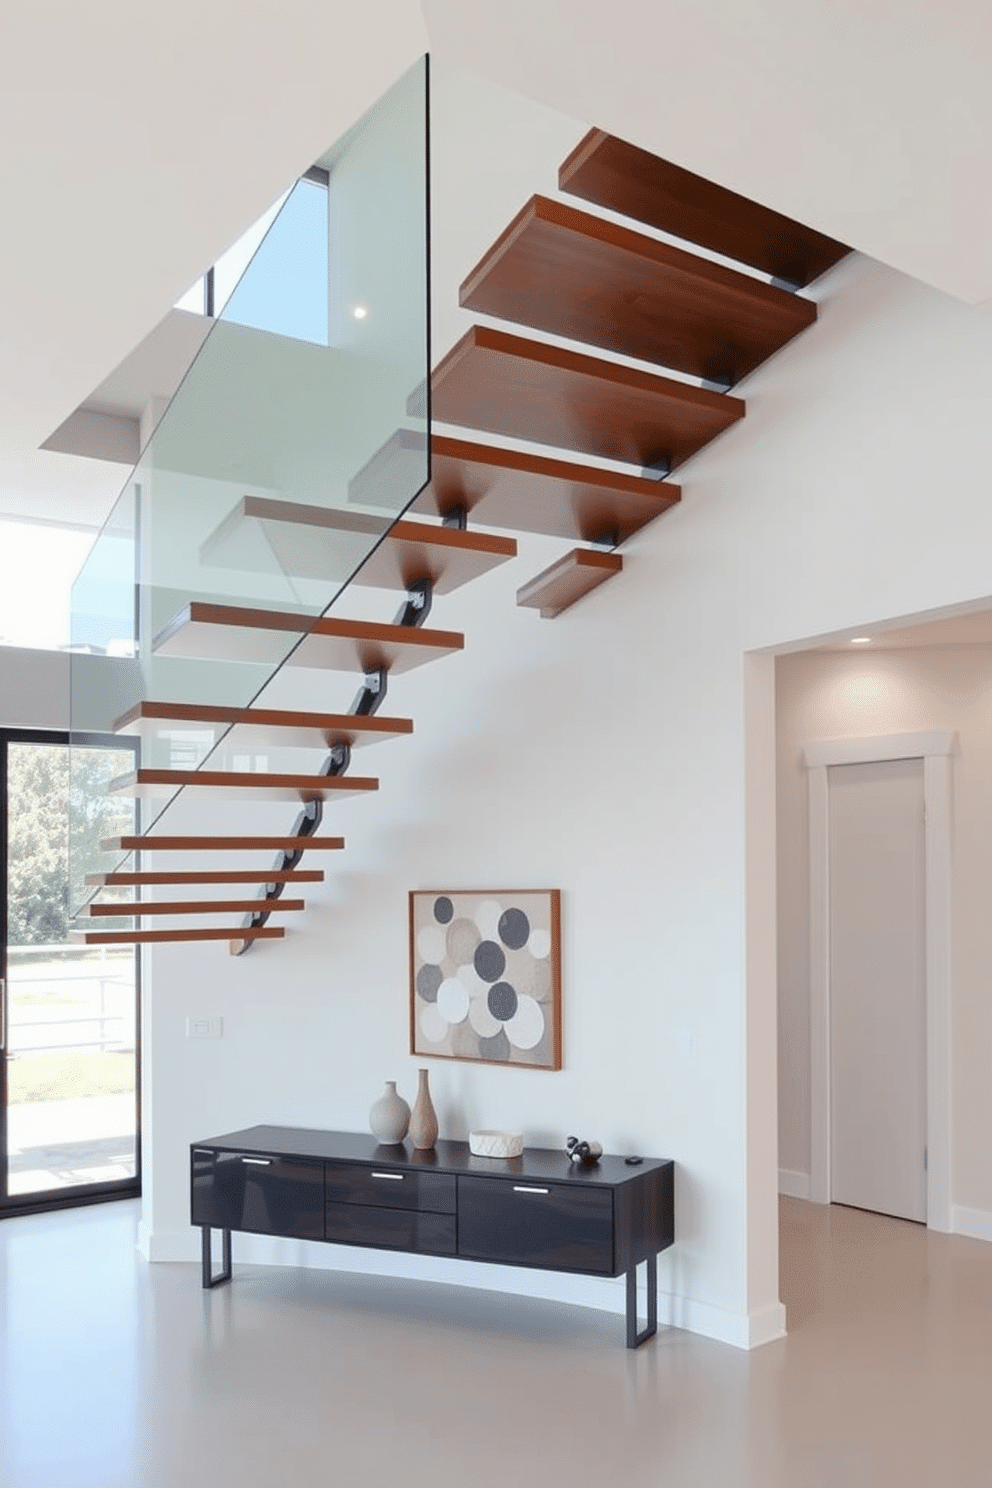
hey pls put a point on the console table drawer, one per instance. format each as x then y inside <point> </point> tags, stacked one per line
<point>391,1229</point>
<point>266,1195</point>
<point>390,1188</point>
<point>560,1226</point>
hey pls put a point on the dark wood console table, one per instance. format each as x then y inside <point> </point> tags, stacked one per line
<point>538,1210</point>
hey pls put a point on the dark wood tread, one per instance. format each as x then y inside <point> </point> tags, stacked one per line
<point>307,542</point>
<point>269,787</point>
<point>566,581</point>
<point>525,389</point>
<point>626,179</point>
<point>233,633</point>
<point>209,876</point>
<point>220,844</point>
<point>136,908</point>
<point>535,493</point>
<point>139,937</point>
<point>280,726</point>
<point>565,271</point>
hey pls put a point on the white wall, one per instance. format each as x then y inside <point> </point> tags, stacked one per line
<point>605,753</point>
<point>831,695</point>
<point>34,688</point>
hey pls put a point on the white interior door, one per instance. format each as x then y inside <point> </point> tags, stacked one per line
<point>878,1106</point>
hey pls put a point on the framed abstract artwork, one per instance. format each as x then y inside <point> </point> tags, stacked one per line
<point>485,975</point>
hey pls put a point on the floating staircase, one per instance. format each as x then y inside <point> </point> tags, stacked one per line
<point>619,292</point>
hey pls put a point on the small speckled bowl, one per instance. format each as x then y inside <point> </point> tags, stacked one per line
<point>496,1143</point>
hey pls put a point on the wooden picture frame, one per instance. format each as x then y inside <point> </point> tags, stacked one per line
<point>485,976</point>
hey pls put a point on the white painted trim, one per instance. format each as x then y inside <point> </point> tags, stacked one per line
<point>146,1243</point>
<point>934,746</point>
<point>605,1294</point>
<point>880,747</point>
<point>937,852</point>
<point>793,1185</point>
<point>766,1326</point>
<point>976,1223</point>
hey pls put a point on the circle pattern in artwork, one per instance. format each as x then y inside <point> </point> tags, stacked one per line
<point>514,928</point>
<point>526,1028</point>
<point>452,1000</point>
<point>487,918</point>
<point>502,1001</point>
<point>483,978</point>
<point>429,979</point>
<point>431,944</point>
<point>462,939</point>
<point>489,961</point>
<point>496,1049</point>
<point>539,944</point>
<point>481,1019</point>
<point>433,1025</point>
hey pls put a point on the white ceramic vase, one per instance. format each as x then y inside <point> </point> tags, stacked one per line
<point>389,1117</point>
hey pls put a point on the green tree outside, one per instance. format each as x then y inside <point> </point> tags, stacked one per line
<point>40,818</point>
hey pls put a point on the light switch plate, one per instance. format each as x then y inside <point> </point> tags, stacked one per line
<point>203,1028</point>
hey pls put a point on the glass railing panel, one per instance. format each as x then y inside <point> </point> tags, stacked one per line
<point>308,374</point>
<point>286,292</point>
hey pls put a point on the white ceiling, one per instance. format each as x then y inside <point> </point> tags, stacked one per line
<point>138,141</point>
<point>870,119</point>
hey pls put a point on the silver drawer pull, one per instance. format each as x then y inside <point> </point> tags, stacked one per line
<point>258,1162</point>
<point>397,1177</point>
<point>523,1188</point>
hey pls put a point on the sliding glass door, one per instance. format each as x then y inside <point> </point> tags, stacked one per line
<point>69,1086</point>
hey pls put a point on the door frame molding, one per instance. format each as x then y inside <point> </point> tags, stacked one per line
<point>934,747</point>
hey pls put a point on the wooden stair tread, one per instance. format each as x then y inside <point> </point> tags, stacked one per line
<point>525,389</point>
<point>280,726</point>
<point>232,633</point>
<point>306,541</point>
<point>566,581</point>
<point>220,844</point>
<point>626,179</point>
<point>565,271</point>
<point>268,786</point>
<point>139,937</point>
<point>134,879</point>
<point>535,493</point>
<point>136,908</point>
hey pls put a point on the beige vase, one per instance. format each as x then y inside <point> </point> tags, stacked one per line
<point>390,1116</point>
<point>423,1120</point>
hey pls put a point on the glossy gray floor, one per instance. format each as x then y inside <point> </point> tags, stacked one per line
<point>115,1373</point>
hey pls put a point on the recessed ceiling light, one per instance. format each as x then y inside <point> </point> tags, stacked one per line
<point>861,640</point>
<point>360,312</point>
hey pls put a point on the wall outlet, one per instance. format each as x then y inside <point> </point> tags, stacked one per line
<point>204,1028</point>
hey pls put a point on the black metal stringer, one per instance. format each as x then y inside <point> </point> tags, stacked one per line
<point>369,699</point>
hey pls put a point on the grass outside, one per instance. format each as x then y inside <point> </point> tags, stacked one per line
<point>69,1075</point>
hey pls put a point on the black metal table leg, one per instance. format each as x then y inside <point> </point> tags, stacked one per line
<point>224,1274</point>
<point>633,1337</point>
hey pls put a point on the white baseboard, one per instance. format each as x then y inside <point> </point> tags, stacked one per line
<point>793,1185</point>
<point>976,1223</point>
<point>146,1241</point>
<point>765,1326</point>
<point>605,1294</point>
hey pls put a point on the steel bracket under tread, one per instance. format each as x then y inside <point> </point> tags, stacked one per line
<point>417,606</point>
